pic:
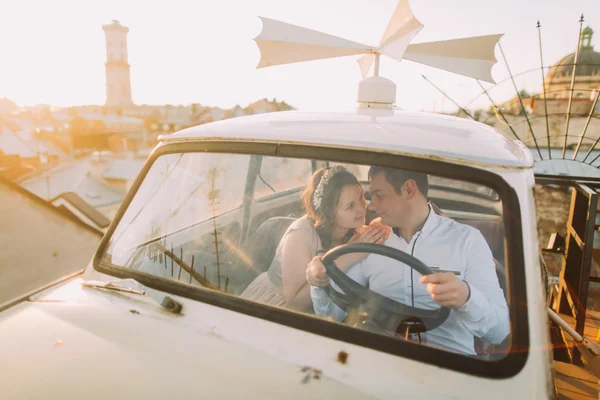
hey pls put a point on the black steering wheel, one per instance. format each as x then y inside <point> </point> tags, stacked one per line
<point>381,313</point>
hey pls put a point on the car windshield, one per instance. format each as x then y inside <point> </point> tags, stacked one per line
<point>249,225</point>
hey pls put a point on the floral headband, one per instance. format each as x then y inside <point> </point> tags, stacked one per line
<point>318,195</point>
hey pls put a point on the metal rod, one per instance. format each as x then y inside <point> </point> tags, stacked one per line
<point>449,98</point>
<point>203,281</point>
<point>496,108</point>
<point>192,267</point>
<point>172,260</point>
<point>564,326</point>
<point>572,87</point>
<point>474,99</point>
<point>594,160</point>
<point>212,195</point>
<point>376,68</point>
<point>539,28</point>
<point>587,123</point>
<point>181,258</point>
<point>521,102</point>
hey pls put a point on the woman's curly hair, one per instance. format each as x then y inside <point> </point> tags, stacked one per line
<point>324,216</point>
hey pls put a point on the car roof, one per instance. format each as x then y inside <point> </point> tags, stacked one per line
<point>419,134</point>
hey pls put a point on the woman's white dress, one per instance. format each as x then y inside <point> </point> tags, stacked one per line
<point>267,287</point>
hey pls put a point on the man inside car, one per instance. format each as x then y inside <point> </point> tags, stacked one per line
<point>466,281</point>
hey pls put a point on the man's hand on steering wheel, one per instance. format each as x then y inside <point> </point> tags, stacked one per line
<point>383,312</point>
<point>446,289</point>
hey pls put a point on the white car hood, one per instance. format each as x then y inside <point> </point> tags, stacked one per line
<point>120,347</point>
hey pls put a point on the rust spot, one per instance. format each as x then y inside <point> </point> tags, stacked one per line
<point>58,344</point>
<point>342,357</point>
<point>306,378</point>
<point>311,373</point>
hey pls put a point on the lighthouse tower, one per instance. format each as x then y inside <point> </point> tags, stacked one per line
<point>118,82</point>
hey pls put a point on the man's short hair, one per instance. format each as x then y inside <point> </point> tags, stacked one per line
<point>397,177</point>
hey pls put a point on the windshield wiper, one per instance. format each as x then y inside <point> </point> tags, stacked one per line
<point>134,287</point>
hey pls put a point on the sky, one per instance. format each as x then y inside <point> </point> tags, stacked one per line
<point>197,51</point>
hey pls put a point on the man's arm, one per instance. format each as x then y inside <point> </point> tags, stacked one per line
<point>317,277</point>
<point>485,313</point>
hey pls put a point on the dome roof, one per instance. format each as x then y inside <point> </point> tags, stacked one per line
<point>588,62</point>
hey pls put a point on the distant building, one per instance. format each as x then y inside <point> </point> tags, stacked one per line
<point>22,150</point>
<point>566,145</point>
<point>555,98</point>
<point>587,75</point>
<point>113,131</point>
<point>13,167</point>
<point>118,79</point>
<point>7,106</point>
<point>264,106</point>
<point>211,114</point>
<point>119,126</point>
<point>206,115</point>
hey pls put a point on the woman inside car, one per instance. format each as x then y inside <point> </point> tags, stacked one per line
<point>335,214</point>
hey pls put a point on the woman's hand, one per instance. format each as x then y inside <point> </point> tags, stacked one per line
<point>374,233</point>
<point>377,223</point>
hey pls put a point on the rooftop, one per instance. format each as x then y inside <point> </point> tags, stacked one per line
<point>73,177</point>
<point>127,169</point>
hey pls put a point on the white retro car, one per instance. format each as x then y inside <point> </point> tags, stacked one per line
<point>157,313</point>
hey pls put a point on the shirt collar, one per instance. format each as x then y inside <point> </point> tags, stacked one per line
<point>430,223</point>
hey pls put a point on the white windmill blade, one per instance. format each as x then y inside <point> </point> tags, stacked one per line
<point>365,63</point>
<point>283,43</point>
<point>400,31</point>
<point>402,25</point>
<point>473,56</point>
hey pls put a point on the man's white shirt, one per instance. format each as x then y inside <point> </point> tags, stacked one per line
<point>447,245</point>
